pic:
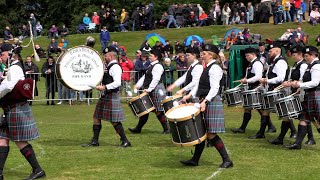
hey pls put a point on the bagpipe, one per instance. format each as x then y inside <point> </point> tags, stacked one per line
<point>22,91</point>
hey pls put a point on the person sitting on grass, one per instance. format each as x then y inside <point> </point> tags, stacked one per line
<point>231,39</point>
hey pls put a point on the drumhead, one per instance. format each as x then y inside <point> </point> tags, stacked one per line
<point>138,97</point>
<point>236,89</point>
<point>290,97</point>
<point>176,96</point>
<point>182,112</point>
<point>80,68</point>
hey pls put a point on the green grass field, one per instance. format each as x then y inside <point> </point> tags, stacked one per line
<point>64,128</point>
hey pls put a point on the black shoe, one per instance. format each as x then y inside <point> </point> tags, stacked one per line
<point>135,130</point>
<point>293,146</point>
<point>310,142</point>
<point>238,130</point>
<point>275,141</point>
<point>226,164</point>
<point>166,131</point>
<point>257,136</point>
<point>189,162</point>
<point>293,135</point>
<point>47,102</point>
<point>36,175</point>
<point>52,103</point>
<point>272,130</point>
<point>92,143</point>
<point>125,144</point>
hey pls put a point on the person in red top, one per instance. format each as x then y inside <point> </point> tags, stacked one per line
<point>95,19</point>
<point>126,65</point>
<point>203,19</point>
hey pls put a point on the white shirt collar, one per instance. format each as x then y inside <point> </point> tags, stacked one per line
<point>211,62</point>
<point>195,62</point>
<point>113,61</point>
<point>154,62</point>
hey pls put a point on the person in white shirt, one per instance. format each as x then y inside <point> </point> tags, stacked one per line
<point>311,86</point>
<point>209,90</point>
<point>152,83</point>
<point>109,106</point>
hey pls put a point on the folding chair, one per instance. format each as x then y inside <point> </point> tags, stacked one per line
<point>91,28</point>
<point>81,29</point>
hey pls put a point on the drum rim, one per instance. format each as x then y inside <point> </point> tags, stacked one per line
<point>192,143</point>
<point>146,112</point>
<point>250,91</point>
<point>184,118</point>
<point>57,65</point>
<point>137,97</point>
<point>284,98</point>
<point>176,96</point>
<point>271,93</point>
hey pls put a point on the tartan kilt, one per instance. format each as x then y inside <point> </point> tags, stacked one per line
<point>156,98</point>
<point>311,106</point>
<point>109,108</point>
<point>21,124</point>
<point>214,116</point>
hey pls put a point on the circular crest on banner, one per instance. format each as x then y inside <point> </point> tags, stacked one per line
<point>80,68</point>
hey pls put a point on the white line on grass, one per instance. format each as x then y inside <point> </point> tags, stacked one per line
<point>214,174</point>
<point>41,154</point>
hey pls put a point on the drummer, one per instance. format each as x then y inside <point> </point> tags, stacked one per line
<point>276,74</point>
<point>152,83</point>
<point>253,75</point>
<point>311,85</point>
<point>192,76</point>
<point>297,72</point>
<point>209,90</point>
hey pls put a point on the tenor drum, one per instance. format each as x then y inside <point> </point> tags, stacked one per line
<point>168,102</point>
<point>141,104</point>
<point>186,125</point>
<point>251,99</point>
<point>233,96</point>
<point>289,106</point>
<point>268,99</point>
<point>80,68</point>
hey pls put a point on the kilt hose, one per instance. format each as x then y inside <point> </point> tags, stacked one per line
<point>214,116</point>
<point>311,106</point>
<point>109,108</point>
<point>21,124</point>
<point>156,97</point>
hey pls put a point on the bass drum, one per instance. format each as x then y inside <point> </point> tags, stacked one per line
<point>80,68</point>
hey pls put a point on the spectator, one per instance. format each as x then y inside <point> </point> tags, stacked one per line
<point>318,40</point>
<point>192,19</point>
<point>315,16</point>
<point>24,32</point>
<point>141,65</point>
<point>53,32</point>
<point>39,29</point>
<point>231,39</point>
<point>145,46</point>
<point>250,13</point>
<point>286,35</point>
<point>48,72</point>
<point>279,13</point>
<point>33,22</point>
<point>53,47</point>
<point>86,20</point>
<point>226,14</point>
<point>264,11</point>
<point>64,31</point>
<point>182,64</point>
<point>178,48</point>
<point>31,70</point>
<point>192,47</point>
<point>114,47</point>
<point>300,16</point>
<point>243,18</point>
<point>104,38</point>
<point>263,55</point>
<point>101,11</point>
<point>125,22</point>
<point>168,48</point>
<point>102,16</point>
<point>168,74</point>
<point>170,19</point>
<point>3,58</point>
<point>63,44</point>
<point>235,18</point>
<point>7,34</point>
<point>159,47</point>
<point>286,10</point>
<point>41,53</point>
<point>136,16</point>
<point>95,19</point>
<point>126,65</point>
<point>241,39</point>
<point>150,15</point>
<point>304,9</point>
<point>203,19</point>
<point>103,20</point>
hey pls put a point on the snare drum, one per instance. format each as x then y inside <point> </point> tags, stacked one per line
<point>289,106</point>
<point>168,102</point>
<point>251,99</point>
<point>268,99</point>
<point>141,104</point>
<point>186,125</point>
<point>80,68</point>
<point>233,96</point>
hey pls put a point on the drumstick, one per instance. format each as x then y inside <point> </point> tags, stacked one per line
<point>239,85</point>
<point>237,81</point>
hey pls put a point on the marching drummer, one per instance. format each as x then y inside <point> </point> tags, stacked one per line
<point>109,106</point>
<point>276,74</point>
<point>192,76</point>
<point>297,72</point>
<point>209,90</point>
<point>311,85</point>
<point>253,75</point>
<point>152,83</point>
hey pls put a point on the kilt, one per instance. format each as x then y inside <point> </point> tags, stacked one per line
<point>109,108</point>
<point>156,98</point>
<point>214,116</point>
<point>21,124</point>
<point>311,106</point>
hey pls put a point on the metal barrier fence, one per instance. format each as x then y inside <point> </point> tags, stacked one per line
<point>49,89</point>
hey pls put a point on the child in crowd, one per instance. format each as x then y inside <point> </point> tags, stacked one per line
<point>168,74</point>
